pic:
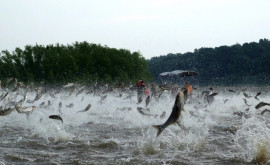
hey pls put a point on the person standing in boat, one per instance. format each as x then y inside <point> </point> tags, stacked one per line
<point>140,89</point>
<point>187,91</point>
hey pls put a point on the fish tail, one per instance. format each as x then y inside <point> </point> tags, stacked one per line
<point>158,127</point>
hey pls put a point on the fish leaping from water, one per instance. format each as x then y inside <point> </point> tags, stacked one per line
<point>261,104</point>
<point>246,95</point>
<point>69,85</point>
<point>6,112</point>
<point>176,112</point>
<point>258,94</point>
<point>56,117</point>
<point>26,110</point>
<point>86,108</point>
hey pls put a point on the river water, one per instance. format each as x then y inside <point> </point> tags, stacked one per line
<point>112,131</point>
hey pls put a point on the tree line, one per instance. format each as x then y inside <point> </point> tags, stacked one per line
<point>247,64</point>
<point>79,62</point>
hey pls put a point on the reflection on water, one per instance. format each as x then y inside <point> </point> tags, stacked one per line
<point>112,131</point>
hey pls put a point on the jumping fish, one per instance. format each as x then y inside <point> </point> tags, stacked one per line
<point>230,90</point>
<point>147,100</point>
<point>79,92</point>
<point>246,95</point>
<point>59,107</point>
<point>9,80</point>
<point>176,112</point>
<point>38,96</point>
<point>69,85</point>
<point>124,109</point>
<point>160,94</point>
<point>245,100</point>
<point>30,101</point>
<point>258,94</point>
<point>140,100</point>
<point>56,117</point>
<point>6,112</point>
<point>41,104</point>
<point>261,104</point>
<point>145,111</point>
<point>71,105</point>
<point>86,108</point>
<point>240,114</point>
<point>26,110</point>
<point>266,110</point>
<point>102,99</point>
<point>4,95</point>
<point>24,97</point>
<point>210,98</point>
<point>107,90</point>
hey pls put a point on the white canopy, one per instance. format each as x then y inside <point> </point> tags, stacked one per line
<point>175,72</point>
<point>179,73</point>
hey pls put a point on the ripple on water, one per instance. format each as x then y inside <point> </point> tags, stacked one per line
<point>17,158</point>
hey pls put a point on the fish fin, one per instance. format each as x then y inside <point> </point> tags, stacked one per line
<point>158,127</point>
<point>179,123</point>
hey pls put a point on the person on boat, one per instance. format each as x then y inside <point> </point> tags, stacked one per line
<point>140,89</point>
<point>187,91</point>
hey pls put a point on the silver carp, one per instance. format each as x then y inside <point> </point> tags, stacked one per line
<point>261,104</point>
<point>69,85</point>
<point>86,108</point>
<point>6,112</point>
<point>56,117</point>
<point>176,112</point>
<point>26,110</point>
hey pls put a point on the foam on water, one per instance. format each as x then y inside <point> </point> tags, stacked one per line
<point>116,125</point>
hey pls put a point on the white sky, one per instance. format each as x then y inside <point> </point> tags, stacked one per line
<point>153,27</point>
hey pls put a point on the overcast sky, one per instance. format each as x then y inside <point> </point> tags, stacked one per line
<point>153,27</point>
